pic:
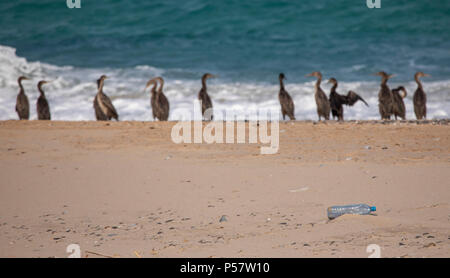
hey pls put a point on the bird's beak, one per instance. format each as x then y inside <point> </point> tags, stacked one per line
<point>392,75</point>
<point>308,75</point>
<point>426,75</point>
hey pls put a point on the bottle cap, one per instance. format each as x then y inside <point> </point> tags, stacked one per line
<point>373,208</point>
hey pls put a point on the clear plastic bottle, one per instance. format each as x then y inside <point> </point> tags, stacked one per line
<point>337,211</point>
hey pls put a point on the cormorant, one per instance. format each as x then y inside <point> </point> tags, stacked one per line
<point>385,97</point>
<point>323,105</point>
<point>337,101</point>
<point>22,104</point>
<point>153,102</point>
<point>104,102</point>
<point>204,97</point>
<point>42,107</point>
<point>420,98</point>
<point>287,105</point>
<point>398,108</point>
<point>160,104</point>
<point>98,111</point>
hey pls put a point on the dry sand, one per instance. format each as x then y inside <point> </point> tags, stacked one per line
<point>125,190</point>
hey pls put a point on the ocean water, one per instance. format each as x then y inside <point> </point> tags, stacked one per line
<point>246,43</point>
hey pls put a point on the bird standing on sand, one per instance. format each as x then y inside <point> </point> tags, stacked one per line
<point>385,97</point>
<point>323,105</point>
<point>204,97</point>
<point>420,98</point>
<point>160,104</point>
<point>153,102</point>
<point>98,111</point>
<point>104,103</point>
<point>337,101</point>
<point>398,107</point>
<point>287,105</point>
<point>42,107</point>
<point>22,104</point>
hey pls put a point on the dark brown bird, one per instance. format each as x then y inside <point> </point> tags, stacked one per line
<point>398,108</point>
<point>98,111</point>
<point>160,104</point>
<point>287,105</point>
<point>323,105</point>
<point>22,104</point>
<point>104,102</point>
<point>42,107</point>
<point>153,102</point>
<point>337,101</point>
<point>205,99</point>
<point>385,97</point>
<point>420,98</point>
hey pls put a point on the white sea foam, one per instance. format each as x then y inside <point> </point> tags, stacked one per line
<point>72,90</point>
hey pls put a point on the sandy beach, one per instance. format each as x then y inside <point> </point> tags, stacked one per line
<point>124,189</point>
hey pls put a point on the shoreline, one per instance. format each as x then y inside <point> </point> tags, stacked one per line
<point>418,122</point>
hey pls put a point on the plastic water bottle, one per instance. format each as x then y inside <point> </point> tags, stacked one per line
<point>337,211</point>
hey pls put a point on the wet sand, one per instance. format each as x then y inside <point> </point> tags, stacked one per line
<point>126,190</point>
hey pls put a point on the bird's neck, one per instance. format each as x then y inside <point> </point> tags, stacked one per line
<point>333,89</point>
<point>41,91</point>
<point>319,80</point>
<point>161,87</point>
<point>100,87</point>
<point>22,91</point>
<point>281,84</point>
<point>204,83</point>
<point>418,82</point>
<point>384,81</point>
